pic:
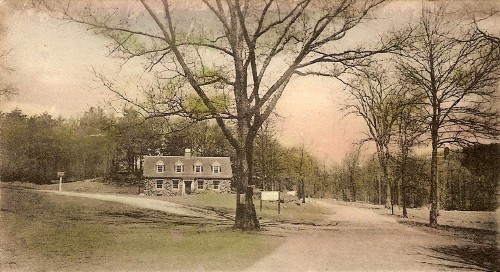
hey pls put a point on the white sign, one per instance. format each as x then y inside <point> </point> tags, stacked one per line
<point>270,195</point>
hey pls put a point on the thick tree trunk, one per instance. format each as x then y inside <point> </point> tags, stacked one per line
<point>388,191</point>
<point>404,162</point>
<point>433,197</point>
<point>393,198</point>
<point>403,188</point>
<point>353,188</point>
<point>246,216</point>
<point>404,200</point>
<point>302,190</point>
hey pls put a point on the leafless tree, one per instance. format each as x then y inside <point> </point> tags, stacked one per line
<point>376,98</point>
<point>409,128</point>
<point>243,51</point>
<point>6,88</point>
<point>456,70</point>
<point>352,172</point>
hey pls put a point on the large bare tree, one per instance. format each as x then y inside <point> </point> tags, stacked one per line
<point>455,70</point>
<point>377,98</point>
<point>241,52</point>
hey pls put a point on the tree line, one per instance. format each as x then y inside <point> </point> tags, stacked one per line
<point>437,89</point>
<point>96,145</point>
<point>103,146</point>
<point>467,179</point>
<point>245,53</point>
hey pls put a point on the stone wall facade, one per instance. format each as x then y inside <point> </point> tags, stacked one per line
<point>167,188</point>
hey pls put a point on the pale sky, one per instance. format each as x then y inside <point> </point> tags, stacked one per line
<point>53,61</point>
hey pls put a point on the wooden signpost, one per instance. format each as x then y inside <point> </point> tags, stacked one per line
<point>270,196</point>
<point>60,175</point>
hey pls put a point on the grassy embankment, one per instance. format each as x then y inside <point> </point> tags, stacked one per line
<point>42,231</point>
<point>290,212</point>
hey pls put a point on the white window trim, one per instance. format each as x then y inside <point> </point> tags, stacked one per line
<point>198,185</point>
<point>216,167</point>
<point>200,167</point>
<point>218,184</point>
<point>181,168</point>
<point>160,167</point>
<point>178,184</point>
<point>162,183</point>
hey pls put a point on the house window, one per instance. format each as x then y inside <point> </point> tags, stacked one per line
<point>179,168</point>
<point>200,184</point>
<point>198,168</point>
<point>216,184</point>
<point>160,168</point>
<point>175,184</point>
<point>215,169</point>
<point>159,184</point>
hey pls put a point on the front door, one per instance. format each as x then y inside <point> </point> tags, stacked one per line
<point>187,186</point>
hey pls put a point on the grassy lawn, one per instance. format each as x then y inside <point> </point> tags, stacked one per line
<point>42,232</point>
<point>89,186</point>
<point>289,213</point>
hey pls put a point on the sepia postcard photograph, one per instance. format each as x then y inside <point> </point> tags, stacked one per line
<point>249,135</point>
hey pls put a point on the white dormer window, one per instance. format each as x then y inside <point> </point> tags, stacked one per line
<point>179,167</point>
<point>198,167</point>
<point>216,168</point>
<point>160,167</point>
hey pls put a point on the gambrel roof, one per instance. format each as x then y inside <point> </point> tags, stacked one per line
<point>150,169</point>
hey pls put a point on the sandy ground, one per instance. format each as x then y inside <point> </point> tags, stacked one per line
<point>353,239</point>
<point>363,240</point>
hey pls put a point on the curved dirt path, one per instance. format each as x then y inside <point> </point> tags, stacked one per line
<point>362,240</point>
<point>147,203</point>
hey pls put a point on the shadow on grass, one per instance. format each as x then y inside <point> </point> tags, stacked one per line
<point>481,252</point>
<point>156,219</point>
<point>485,257</point>
<point>476,235</point>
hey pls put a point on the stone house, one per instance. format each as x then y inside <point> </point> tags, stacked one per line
<point>184,175</point>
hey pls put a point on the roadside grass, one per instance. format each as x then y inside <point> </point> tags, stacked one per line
<point>480,220</point>
<point>46,232</point>
<point>85,186</point>
<point>94,186</point>
<point>290,212</point>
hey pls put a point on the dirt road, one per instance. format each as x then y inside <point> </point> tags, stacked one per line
<point>362,240</point>
<point>354,239</point>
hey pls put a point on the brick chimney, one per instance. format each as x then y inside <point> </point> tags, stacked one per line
<point>187,153</point>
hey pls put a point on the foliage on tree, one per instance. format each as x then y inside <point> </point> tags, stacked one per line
<point>244,50</point>
<point>31,149</point>
<point>483,162</point>
<point>95,145</point>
